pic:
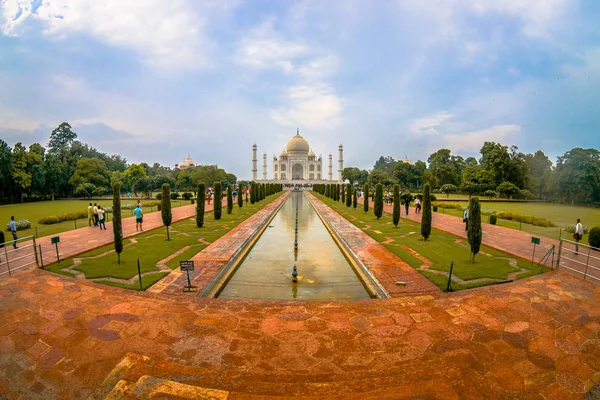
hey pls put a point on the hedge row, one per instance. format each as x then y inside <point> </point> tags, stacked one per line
<point>55,219</point>
<point>527,219</point>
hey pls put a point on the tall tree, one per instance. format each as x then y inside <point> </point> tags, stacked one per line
<point>201,199</point>
<point>218,203</point>
<point>540,172</point>
<point>240,198</point>
<point>474,232</point>
<point>165,210</point>
<point>117,224</point>
<point>396,203</point>
<point>229,199</point>
<point>344,195</point>
<point>578,176</point>
<point>348,198</point>
<point>354,198</point>
<point>377,176</point>
<point>35,168</point>
<point>21,178</point>
<point>378,204</point>
<point>90,170</point>
<point>385,164</point>
<point>426,217</point>
<point>366,197</point>
<point>6,186</point>
<point>61,138</point>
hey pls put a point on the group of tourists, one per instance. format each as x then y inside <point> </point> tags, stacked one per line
<point>96,216</point>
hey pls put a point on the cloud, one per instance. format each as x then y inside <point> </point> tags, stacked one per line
<point>471,142</point>
<point>315,106</point>
<point>166,33</point>
<point>428,125</point>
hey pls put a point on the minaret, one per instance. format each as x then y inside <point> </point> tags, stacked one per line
<point>340,162</point>
<point>264,166</point>
<point>330,167</point>
<point>254,164</point>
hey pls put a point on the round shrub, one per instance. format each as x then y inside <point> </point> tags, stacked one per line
<point>20,224</point>
<point>193,201</point>
<point>493,219</point>
<point>159,206</point>
<point>158,196</point>
<point>49,220</point>
<point>186,196</point>
<point>174,196</point>
<point>594,238</point>
<point>435,208</point>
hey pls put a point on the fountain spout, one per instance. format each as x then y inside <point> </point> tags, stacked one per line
<point>294,274</point>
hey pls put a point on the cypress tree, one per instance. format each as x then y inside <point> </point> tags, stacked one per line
<point>354,198</point>
<point>378,204</point>
<point>348,198</point>
<point>217,210</point>
<point>366,197</point>
<point>474,232</point>
<point>337,192</point>
<point>165,210</point>
<point>252,193</point>
<point>117,225</point>
<point>426,217</point>
<point>200,205</point>
<point>343,196</point>
<point>240,197</point>
<point>326,190</point>
<point>263,191</point>
<point>229,199</point>
<point>396,200</point>
<point>247,188</point>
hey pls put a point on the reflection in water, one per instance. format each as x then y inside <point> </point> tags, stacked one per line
<point>323,272</point>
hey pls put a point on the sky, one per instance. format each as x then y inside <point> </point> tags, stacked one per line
<point>157,80</point>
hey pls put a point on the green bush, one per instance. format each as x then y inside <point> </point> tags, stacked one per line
<point>594,238</point>
<point>435,208</point>
<point>174,196</point>
<point>193,201</point>
<point>20,224</point>
<point>49,220</point>
<point>2,239</point>
<point>159,207</point>
<point>187,196</point>
<point>493,219</point>
<point>158,196</point>
<point>526,219</point>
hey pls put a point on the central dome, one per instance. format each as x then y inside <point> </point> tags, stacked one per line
<point>297,146</point>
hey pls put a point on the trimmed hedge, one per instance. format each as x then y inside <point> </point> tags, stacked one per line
<point>49,220</point>
<point>158,196</point>
<point>493,219</point>
<point>527,219</point>
<point>174,196</point>
<point>594,238</point>
<point>55,219</point>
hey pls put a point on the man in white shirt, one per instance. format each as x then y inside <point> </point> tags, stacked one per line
<point>466,219</point>
<point>579,233</point>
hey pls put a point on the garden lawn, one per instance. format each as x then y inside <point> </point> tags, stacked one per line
<point>151,247</point>
<point>37,210</point>
<point>441,249</point>
<point>561,215</point>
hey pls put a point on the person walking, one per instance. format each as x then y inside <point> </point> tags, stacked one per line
<point>466,219</point>
<point>138,218</point>
<point>13,230</point>
<point>417,205</point>
<point>95,214</point>
<point>101,218</point>
<point>578,235</point>
<point>90,215</point>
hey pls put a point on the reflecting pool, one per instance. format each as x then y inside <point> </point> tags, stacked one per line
<point>323,271</point>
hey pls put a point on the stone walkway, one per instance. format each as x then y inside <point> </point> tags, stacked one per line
<point>537,338</point>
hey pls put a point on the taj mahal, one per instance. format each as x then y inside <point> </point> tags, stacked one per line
<point>298,164</point>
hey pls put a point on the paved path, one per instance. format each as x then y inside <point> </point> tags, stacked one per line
<point>81,240</point>
<point>535,338</point>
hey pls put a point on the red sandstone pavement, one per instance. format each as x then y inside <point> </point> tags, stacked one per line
<point>511,241</point>
<point>537,338</point>
<point>85,239</point>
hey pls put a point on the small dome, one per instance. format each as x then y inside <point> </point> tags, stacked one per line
<point>297,145</point>
<point>311,153</point>
<point>283,153</point>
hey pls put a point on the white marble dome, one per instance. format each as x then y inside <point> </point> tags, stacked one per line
<point>297,146</point>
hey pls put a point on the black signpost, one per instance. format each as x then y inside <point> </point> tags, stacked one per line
<point>188,266</point>
<point>55,241</point>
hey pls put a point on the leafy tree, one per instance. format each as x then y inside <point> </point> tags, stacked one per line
<point>384,164</point>
<point>117,224</point>
<point>165,210</point>
<point>240,198</point>
<point>85,190</point>
<point>378,204</point>
<point>201,199</point>
<point>396,215</point>
<point>344,195</point>
<point>132,174</point>
<point>90,170</point>
<point>577,176</point>
<point>507,189</point>
<point>184,181</point>
<point>445,167</point>
<point>348,198</point>
<point>21,178</point>
<point>326,190</point>
<point>6,191</point>
<point>490,194</point>
<point>524,194</point>
<point>61,138</point>
<point>354,198</point>
<point>540,172</point>
<point>377,176</point>
<point>426,217</point>
<point>35,168</point>
<point>218,200</point>
<point>144,184</point>
<point>252,193</point>
<point>366,197</point>
<point>448,188</point>
<point>229,199</point>
<point>474,232</point>
<point>355,175</point>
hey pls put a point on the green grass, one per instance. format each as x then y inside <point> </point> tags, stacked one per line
<point>440,249</point>
<point>152,247</point>
<point>147,281</point>
<point>560,214</point>
<point>37,210</point>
